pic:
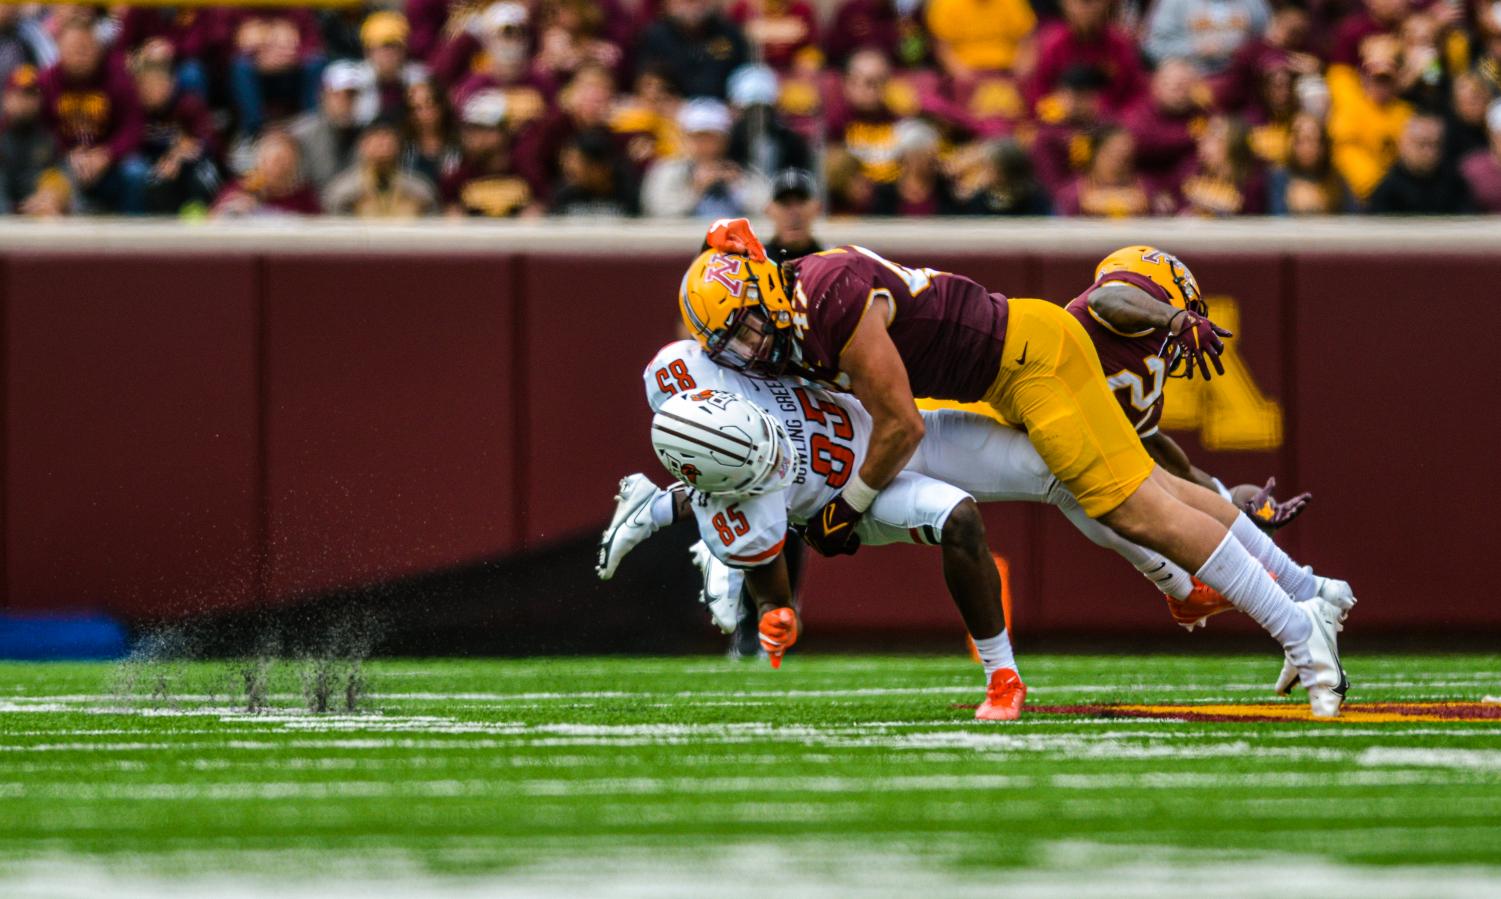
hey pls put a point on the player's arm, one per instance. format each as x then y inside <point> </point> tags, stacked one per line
<point>1128,309</point>
<point>878,378</point>
<point>1166,452</point>
<point>771,590</point>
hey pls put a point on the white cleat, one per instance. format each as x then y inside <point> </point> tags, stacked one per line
<point>1315,662</point>
<point>722,587</point>
<point>1337,594</point>
<point>630,525</point>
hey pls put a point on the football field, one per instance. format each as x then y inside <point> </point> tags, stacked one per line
<point>837,775</point>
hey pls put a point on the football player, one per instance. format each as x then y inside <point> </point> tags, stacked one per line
<point>721,432</point>
<point>850,318</point>
<point>1127,313</point>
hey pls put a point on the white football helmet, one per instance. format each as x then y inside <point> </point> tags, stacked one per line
<point>722,444</point>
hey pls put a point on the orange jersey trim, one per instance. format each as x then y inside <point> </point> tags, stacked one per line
<point>762,556</point>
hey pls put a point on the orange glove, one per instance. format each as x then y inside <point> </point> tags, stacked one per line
<point>736,236</point>
<point>778,633</point>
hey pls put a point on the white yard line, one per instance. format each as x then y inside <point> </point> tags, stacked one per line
<point>739,871</point>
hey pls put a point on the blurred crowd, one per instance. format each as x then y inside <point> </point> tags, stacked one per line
<point>708,108</point>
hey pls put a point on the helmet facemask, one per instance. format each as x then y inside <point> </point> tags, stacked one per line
<point>1193,301</point>
<point>754,338</point>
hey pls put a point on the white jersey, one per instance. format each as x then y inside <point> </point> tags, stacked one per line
<point>830,432</point>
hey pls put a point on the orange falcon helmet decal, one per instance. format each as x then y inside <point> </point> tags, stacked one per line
<point>736,303</point>
<point>1163,269</point>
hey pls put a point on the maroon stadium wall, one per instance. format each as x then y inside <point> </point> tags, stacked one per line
<point>187,431</point>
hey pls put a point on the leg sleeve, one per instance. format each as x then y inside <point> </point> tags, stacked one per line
<point>912,509</point>
<point>991,462</point>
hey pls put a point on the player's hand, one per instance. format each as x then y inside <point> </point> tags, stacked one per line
<point>1198,339</point>
<point>736,236</point>
<point>1264,508</point>
<point>778,631</point>
<point>832,530</point>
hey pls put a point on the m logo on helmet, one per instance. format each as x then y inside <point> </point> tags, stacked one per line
<point>726,270</point>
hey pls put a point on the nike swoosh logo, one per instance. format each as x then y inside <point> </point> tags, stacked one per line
<point>1022,359</point>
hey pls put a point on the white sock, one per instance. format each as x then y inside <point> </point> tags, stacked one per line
<point>1296,581</point>
<point>1240,578</point>
<point>995,653</point>
<point>662,511</point>
<point>1164,575</point>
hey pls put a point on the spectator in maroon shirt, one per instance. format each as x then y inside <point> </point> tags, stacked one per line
<point>1226,180</point>
<point>882,25</point>
<point>278,64</point>
<point>862,124</point>
<point>584,105</point>
<point>785,30</point>
<point>1284,45</point>
<point>177,141</point>
<point>273,186</point>
<point>1167,125</point>
<point>1086,37</point>
<point>504,36</point>
<point>572,34</point>
<point>486,182</point>
<point>91,107</point>
<point>429,19</point>
<point>197,37</point>
<point>1376,17</point>
<point>1482,168</point>
<point>1061,148</point>
<point>1110,186</point>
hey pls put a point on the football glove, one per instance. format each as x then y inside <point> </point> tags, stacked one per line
<point>736,236</point>
<point>832,530</point>
<point>778,631</point>
<point>1196,339</point>
<point>1265,510</point>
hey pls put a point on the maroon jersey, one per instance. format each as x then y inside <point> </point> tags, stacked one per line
<point>1132,363</point>
<point>948,329</point>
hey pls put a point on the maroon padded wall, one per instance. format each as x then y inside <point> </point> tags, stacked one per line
<point>590,329</point>
<point>131,458</point>
<point>185,431</point>
<point>391,417</point>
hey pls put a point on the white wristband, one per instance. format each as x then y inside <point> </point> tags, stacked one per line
<point>1224,493</point>
<point>859,494</point>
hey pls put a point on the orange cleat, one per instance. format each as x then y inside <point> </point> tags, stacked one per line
<point>1003,698</point>
<point>1202,604</point>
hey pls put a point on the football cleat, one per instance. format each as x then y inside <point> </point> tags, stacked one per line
<point>1195,610</point>
<point>1336,593</point>
<point>1003,697</point>
<point>722,587</point>
<point>630,525</point>
<point>1316,660</point>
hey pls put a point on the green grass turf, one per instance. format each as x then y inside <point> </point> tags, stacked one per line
<point>476,766</point>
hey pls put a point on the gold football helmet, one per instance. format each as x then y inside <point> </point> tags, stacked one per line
<point>1163,269</point>
<point>738,309</point>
